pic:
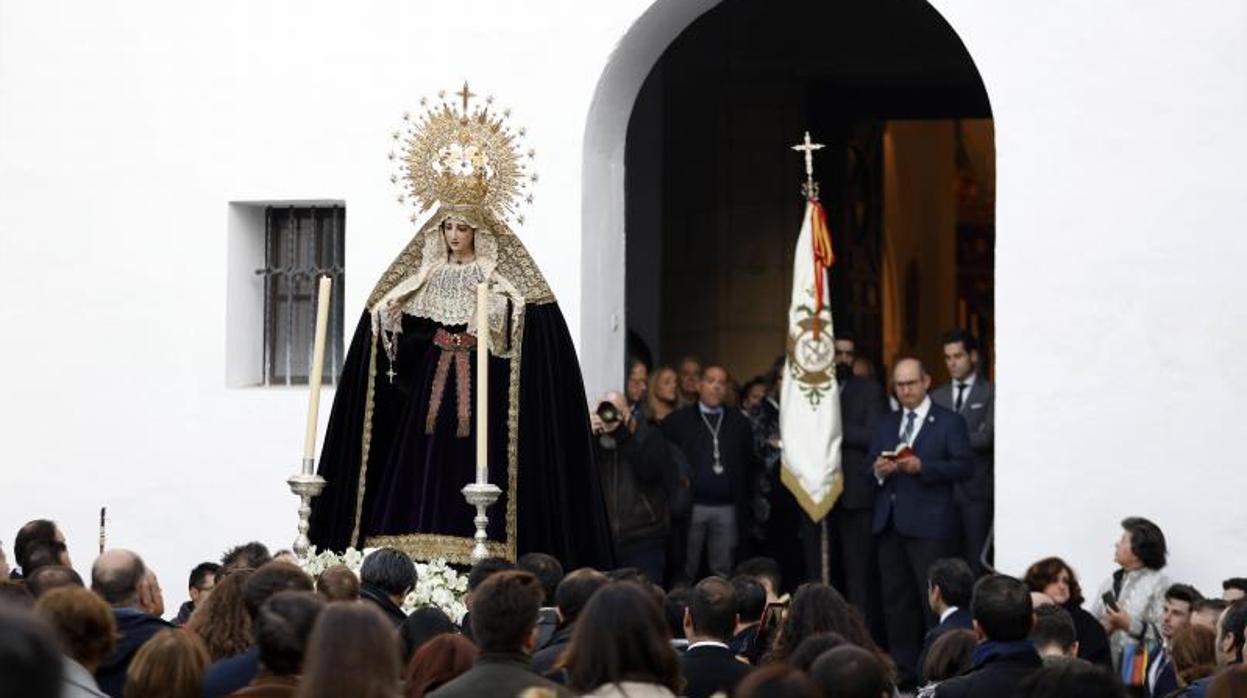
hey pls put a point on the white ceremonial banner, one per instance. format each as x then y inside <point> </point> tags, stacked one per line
<point>809,403</point>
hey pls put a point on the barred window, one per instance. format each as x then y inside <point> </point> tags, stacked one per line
<point>301,244</point>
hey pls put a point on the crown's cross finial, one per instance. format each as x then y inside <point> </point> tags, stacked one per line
<point>466,95</point>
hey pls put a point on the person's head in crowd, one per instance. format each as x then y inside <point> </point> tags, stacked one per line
<point>1071,680</point>
<point>777,680</point>
<point>574,591</point>
<point>389,571</point>
<point>750,600</point>
<point>351,652</point>
<point>269,579</point>
<point>1234,589</point>
<point>30,664</point>
<point>49,577</point>
<point>223,621</point>
<point>83,624</point>
<point>844,352</point>
<point>950,582</point>
<point>251,556</point>
<point>546,569</point>
<point>1052,576</point>
<point>673,609</point>
<point>1179,600</point>
<point>1053,632</point>
<point>961,354</point>
<point>439,661</point>
<point>282,628</point>
<point>817,608</point>
<point>116,577</point>
<point>620,637</point>
<point>1001,609</point>
<point>201,583</point>
<point>15,595</point>
<point>338,583</point>
<point>627,574</point>
<point>38,543</point>
<point>813,647</point>
<point>1230,628</point>
<point>637,382</point>
<point>1207,612</point>
<point>690,377</point>
<point>752,394</point>
<point>422,625</point>
<point>504,612</point>
<point>1229,684</point>
<point>169,665</point>
<point>663,391</point>
<point>711,613</point>
<point>767,573</point>
<point>951,654</point>
<point>852,672</point>
<point>863,367</point>
<point>712,388</point>
<point>911,382</point>
<point>1040,599</point>
<point>1193,651</point>
<point>731,392</point>
<point>286,555</point>
<point>484,570</point>
<point>1142,544</point>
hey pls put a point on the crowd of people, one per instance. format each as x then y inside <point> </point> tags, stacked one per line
<point>721,585</point>
<point>257,625</point>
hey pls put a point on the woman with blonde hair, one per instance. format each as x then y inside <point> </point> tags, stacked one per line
<point>663,394</point>
<point>170,665</point>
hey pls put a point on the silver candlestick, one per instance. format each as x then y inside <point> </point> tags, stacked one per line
<point>305,485</point>
<point>481,495</point>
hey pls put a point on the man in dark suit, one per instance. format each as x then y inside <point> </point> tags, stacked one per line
<point>971,396</point>
<point>718,443</point>
<point>915,519</point>
<point>1005,656</point>
<point>1162,677</point>
<point>709,665</point>
<point>949,586</point>
<point>504,616</point>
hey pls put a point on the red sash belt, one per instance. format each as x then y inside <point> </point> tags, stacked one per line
<point>456,347</point>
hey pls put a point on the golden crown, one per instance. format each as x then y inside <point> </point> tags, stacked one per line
<point>463,155</point>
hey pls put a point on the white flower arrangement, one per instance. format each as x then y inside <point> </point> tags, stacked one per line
<point>437,583</point>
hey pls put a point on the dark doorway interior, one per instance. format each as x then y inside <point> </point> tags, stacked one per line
<point>714,206</point>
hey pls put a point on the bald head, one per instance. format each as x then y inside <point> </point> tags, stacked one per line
<point>911,382</point>
<point>116,576</point>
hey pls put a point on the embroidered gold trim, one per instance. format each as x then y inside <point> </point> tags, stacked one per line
<point>366,441</point>
<point>427,546</point>
<point>815,510</point>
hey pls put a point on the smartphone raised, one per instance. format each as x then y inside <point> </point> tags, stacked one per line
<point>1110,601</point>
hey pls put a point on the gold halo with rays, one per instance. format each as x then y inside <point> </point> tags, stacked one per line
<point>463,154</point>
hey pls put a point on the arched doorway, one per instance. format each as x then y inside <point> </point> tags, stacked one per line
<point>713,190</point>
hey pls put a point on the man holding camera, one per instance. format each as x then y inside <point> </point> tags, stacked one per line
<point>718,443</point>
<point>635,466</point>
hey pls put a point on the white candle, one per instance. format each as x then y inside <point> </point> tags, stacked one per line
<point>482,383</point>
<point>318,367</point>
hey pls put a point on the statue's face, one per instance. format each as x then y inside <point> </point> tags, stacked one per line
<point>459,236</point>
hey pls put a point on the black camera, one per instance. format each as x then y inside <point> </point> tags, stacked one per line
<point>608,413</point>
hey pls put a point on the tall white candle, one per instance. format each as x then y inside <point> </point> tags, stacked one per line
<point>318,367</point>
<point>482,383</point>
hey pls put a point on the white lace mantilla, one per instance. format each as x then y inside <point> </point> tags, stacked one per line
<point>449,295</point>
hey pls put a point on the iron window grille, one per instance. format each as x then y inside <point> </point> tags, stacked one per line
<point>301,244</point>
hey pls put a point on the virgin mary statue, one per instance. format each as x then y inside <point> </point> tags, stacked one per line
<point>401,439</point>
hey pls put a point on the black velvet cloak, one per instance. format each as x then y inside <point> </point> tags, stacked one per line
<point>540,452</point>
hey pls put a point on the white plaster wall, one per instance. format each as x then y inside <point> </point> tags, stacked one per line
<point>125,130</point>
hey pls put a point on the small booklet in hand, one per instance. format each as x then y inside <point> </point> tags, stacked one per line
<point>902,450</point>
